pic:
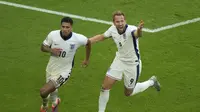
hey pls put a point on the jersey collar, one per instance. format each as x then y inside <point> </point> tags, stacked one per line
<point>66,37</point>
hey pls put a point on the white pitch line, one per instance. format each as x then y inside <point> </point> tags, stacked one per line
<point>175,25</point>
<point>55,12</point>
<point>60,13</point>
<point>94,19</point>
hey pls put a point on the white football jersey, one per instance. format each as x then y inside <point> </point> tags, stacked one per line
<point>127,44</point>
<point>65,60</point>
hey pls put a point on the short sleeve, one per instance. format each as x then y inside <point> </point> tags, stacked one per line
<point>83,40</point>
<point>48,41</point>
<point>107,34</point>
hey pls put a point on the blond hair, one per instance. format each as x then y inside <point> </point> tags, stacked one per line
<point>117,13</point>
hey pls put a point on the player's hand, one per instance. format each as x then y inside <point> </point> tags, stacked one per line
<point>141,25</point>
<point>85,63</point>
<point>56,51</point>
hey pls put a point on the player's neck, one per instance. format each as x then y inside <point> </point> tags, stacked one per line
<point>64,37</point>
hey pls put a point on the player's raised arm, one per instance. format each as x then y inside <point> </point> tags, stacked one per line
<point>138,32</point>
<point>96,38</point>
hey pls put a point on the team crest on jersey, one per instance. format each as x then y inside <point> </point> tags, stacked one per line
<point>124,36</point>
<point>72,46</point>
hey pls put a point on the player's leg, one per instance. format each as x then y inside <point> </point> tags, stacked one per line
<point>60,80</point>
<point>142,86</point>
<point>139,87</point>
<point>53,96</point>
<point>104,93</point>
<point>44,92</point>
<point>47,89</point>
<point>133,87</point>
<point>55,100</point>
<point>131,76</point>
<point>129,82</point>
<point>50,88</point>
<point>113,74</point>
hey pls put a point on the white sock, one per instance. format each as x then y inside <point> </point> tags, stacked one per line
<point>103,99</point>
<point>140,87</point>
<point>45,101</point>
<point>54,96</point>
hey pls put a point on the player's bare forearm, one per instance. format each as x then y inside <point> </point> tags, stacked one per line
<point>88,50</point>
<point>45,48</point>
<point>97,38</point>
<point>138,32</point>
<point>53,51</point>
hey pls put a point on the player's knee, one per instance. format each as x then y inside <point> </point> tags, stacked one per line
<point>128,92</point>
<point>43,93</point>
<point>106,86</point>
